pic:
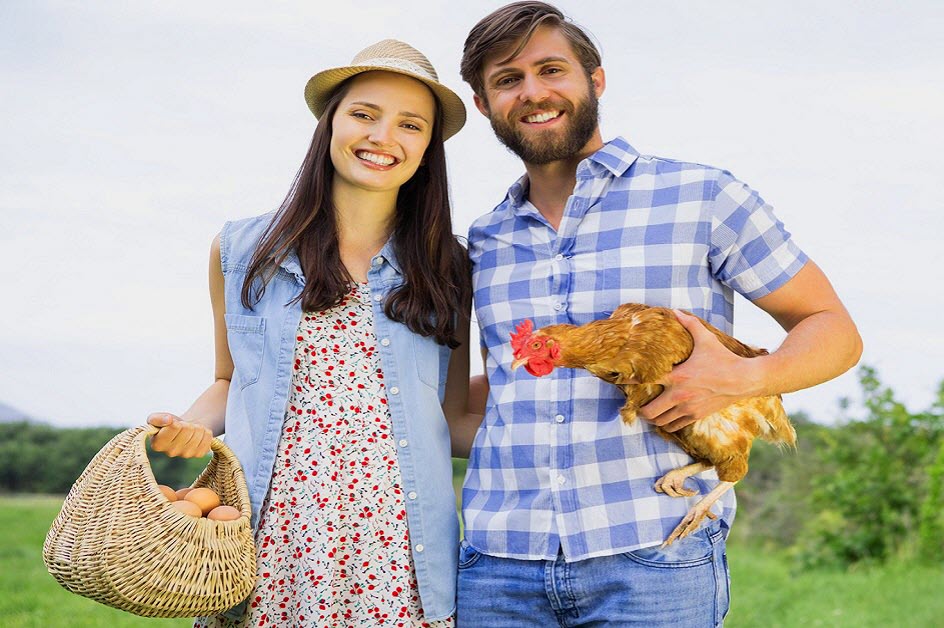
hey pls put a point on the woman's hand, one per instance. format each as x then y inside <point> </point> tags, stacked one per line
<point>179,438</point>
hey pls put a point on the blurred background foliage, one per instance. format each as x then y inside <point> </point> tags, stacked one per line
<point>866,490</point>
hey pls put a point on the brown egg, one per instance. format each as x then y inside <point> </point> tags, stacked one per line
<point>169,493</point>
<point>205,498</point>
<point>188,508</point>
<point>224,513</point>
<point>181,493</point>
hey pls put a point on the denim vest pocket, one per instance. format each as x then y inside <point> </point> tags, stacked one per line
<point>426,354</point>
<point>246,338</point>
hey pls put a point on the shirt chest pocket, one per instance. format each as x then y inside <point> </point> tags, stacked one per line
<point>246,338</point>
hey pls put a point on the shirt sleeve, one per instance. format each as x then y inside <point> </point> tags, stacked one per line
<point>750,251</point>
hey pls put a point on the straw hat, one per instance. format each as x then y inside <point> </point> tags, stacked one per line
<point>389,55</point>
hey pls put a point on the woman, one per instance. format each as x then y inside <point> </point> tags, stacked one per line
<point>338,319</point>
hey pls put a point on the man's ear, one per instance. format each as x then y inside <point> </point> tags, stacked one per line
<point>598,79</point>
<point>481,104</point>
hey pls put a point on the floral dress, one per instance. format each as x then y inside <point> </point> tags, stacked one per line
<point>333,545</point>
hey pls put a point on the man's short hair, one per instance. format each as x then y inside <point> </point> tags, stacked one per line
<point>515,24</point>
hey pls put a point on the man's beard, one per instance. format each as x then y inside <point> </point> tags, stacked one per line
<point>544,148</point>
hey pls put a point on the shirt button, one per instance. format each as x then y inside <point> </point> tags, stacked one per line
<point>378,297</point>
<point>559,418</point>
<point>419,548</point>
<point>394,391</point>
<point>403,442</point>
<point>377,261</point>
<point>385,342</point>
<point>558,306</point>
<point>411,494</point>
<point>558,257</point>
<point>561,479</point>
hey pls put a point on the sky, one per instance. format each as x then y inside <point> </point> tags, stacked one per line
<point>130,132</point>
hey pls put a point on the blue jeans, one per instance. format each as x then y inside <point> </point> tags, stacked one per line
<point>684,585</point>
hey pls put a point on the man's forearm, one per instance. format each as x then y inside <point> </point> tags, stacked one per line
<point>820,347</point>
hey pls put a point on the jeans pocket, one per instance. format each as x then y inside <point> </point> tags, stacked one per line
<point>692,551</point>
<point>468,555</point>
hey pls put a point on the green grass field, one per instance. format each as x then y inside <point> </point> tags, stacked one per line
<point>764,593</point>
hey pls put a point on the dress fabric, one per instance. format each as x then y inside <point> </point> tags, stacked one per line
<point>333,545</point>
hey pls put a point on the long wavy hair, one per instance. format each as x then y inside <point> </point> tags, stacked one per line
<point>436,293</point>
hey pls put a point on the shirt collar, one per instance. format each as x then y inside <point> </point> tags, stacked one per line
<point>292,266</point>
<point>615,157</point>
<point>388,253</point>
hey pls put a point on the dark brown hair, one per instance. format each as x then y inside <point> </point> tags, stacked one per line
<point>436,292</point>
<point>509,29</point>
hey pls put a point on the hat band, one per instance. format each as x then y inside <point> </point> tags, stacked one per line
<point>399,64</point>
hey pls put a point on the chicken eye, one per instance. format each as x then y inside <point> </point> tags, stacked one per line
<point>536,345</point>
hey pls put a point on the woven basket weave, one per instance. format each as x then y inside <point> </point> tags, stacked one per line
<point>117,539</point>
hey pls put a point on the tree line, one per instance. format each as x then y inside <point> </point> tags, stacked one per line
<point>865,490</point>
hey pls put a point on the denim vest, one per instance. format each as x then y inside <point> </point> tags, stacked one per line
<point>262,344</point>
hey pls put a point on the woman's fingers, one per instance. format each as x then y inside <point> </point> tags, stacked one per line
<point>203,447</point>
<point>179,438</point>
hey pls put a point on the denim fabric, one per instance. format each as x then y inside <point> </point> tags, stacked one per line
<point>262,342</point>
<point>685,585</point>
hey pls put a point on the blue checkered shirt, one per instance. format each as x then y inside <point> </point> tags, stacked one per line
<point>552,466</point>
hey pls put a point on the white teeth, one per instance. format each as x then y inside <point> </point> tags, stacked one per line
<point>380,160</point>
<point>542,117</point>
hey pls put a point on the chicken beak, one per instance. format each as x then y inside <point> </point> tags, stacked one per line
<point>518,362</point>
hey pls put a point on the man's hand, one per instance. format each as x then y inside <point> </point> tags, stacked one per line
<point>712,378</point>
<point>179,438</point>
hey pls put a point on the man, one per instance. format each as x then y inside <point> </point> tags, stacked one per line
<point>562,524</point>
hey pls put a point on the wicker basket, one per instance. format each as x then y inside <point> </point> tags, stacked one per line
<point>117,539</point>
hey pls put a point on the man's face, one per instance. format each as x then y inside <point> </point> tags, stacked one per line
<point>541,104</point>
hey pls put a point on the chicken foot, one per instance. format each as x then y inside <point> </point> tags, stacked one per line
<point>697,513</point>
<point>673,482</point>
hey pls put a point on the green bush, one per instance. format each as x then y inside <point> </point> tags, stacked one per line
<point>871,483</point>
<point>39,458</point>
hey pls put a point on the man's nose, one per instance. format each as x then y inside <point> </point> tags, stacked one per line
<point>533,89</point>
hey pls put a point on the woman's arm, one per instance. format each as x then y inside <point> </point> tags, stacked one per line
<point>464,403</point>
<point>189,435</point>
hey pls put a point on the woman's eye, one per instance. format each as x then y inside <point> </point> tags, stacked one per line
<point>411,126</point>
<point>361,115</point>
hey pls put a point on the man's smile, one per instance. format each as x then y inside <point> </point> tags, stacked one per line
<point>542,116</point>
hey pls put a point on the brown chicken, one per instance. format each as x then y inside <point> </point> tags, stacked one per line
<point>634,348</point>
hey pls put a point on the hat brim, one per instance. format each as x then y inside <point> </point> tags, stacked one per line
<point>322,85</point>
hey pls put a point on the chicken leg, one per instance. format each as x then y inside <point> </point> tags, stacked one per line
<point>698,512</point>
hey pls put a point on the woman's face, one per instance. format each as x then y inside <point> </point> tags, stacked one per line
<point>380,131</point>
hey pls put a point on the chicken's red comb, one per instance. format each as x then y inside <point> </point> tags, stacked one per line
<point>521,335</point>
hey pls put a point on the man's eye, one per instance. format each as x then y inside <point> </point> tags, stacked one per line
<point>506,81</point>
